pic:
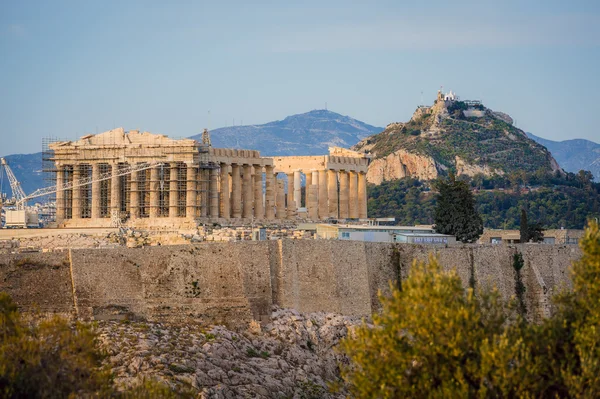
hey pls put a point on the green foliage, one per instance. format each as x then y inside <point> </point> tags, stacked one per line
<point>50,359</point>
<point>520,288</point>
<point>485,141</point>
<point>54,358</point>
<point>428,340</point>
<point>455,212</point>
<point>436,339</point>
<point>557,202</point>
<point>529,232</point>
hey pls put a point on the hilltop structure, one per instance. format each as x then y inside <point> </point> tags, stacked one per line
<point>185,181</point>
<point>453,135</point>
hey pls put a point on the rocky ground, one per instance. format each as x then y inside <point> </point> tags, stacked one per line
<point>293,356</point>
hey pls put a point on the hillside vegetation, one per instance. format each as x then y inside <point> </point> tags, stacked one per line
<point>554,201</point>
<point>486,143</point>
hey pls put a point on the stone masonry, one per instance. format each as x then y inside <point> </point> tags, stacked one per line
<point>177,183</point>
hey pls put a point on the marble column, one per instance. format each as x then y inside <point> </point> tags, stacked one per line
<point>259,210</point>
<point>76,206</point>
<point>173,192</point>
<point>353,196</point>
<point>134,196</point>
<point>291,203</point>
<point>203,178</point>
<point>270,193</point>
<point>225,203</point>
<point>344,191</point>
<point>248,197</point>
<point>236,192</point>
<point>191,191</point>
<point>332,193</point>
<point>362,195</point>
<point>95,191</point>
<point>154,197</point>
<point>213,189</point>
<point>297,189</point>
<point>115,189</point>
<point>280,199</point>
<point>312,202</point>
<point>308,183</point>
<point>60,194</point>
<point>323,200</point>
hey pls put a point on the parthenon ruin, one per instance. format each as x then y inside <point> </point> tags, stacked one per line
<point>184,182</point>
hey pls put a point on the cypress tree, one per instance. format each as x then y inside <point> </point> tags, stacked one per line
<point>455,212</point>
<point>524,228</point>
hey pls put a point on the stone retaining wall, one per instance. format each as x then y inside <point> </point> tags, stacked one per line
<point>233,283</point>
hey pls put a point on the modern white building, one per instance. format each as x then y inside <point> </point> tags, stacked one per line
<point>400,234</point>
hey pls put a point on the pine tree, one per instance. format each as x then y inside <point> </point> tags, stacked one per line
<point>455,213</point>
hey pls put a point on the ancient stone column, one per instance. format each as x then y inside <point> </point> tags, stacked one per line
<point>191,191</point>
<point>269,193</point>
<point>76,207</point>
<point>312,202</point>
<point>115,189</point>
<point>323,200</point>
<point>173,194</point>
<point>225,203</point>
<point>280,199</point>
<point>332,193</point>
<point>154,197</point>
<point>248,196</point>
<point>203,178</point>
<point>236,191</point>
<point>291,203</point>
<point>353,196</point>
<point>134,196</point>
<point>60,194</point>
<point>308,183</point>
<point>259,210</point>
<point>362,195</point>
<point>213,190</point>
<point>95,191</point>
<point>344,191</point>
<point>297,189</point>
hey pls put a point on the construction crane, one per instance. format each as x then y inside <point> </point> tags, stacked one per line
<point>22,218</point>
<point>15,186</point>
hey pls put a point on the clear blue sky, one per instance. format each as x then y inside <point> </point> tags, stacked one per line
<point>68,68</point>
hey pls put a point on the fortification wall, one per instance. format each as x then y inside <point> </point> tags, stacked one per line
<point>232,283</point>
<point>38,282</point>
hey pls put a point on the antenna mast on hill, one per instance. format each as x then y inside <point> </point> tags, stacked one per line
<point>325,105</point>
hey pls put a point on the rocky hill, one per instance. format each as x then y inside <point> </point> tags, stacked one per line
<point>459,136</point>
<point>573,155</point>
<point>310,133</point>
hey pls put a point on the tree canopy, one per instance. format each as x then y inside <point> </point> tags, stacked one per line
<point>455,212</point>
<point>435,338</point>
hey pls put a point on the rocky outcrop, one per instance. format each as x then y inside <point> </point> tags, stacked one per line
<point>465,168</point>
<point>401,164</point>
<point>293,356</point>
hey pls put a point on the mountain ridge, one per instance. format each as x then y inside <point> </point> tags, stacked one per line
<point>309,133</point>
<point>573,155</point>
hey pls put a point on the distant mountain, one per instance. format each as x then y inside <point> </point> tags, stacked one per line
<point>574,155</point>
<point>310,133</point>
<point>28,171</point>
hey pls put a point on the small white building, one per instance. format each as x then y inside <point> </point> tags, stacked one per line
<point>450,96</point>
<point>401,234</point>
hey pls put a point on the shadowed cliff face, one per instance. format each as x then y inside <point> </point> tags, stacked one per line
<point>453,136</point>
